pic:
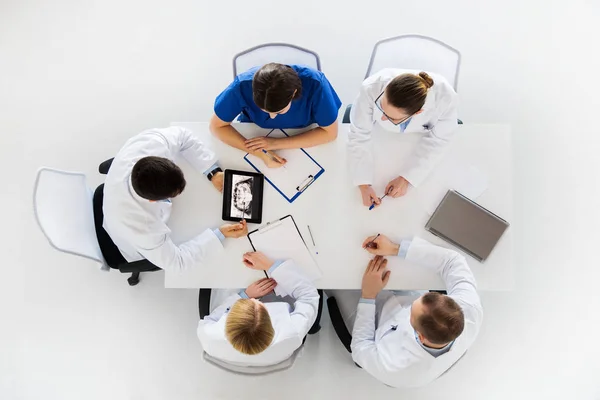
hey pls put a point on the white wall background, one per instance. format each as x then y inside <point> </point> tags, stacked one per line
<point>79,77</point>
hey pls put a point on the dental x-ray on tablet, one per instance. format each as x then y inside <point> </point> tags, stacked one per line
<point>243,196</point>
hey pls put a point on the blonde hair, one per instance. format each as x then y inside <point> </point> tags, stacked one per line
<point>409,91</point>
<point>248,327</point>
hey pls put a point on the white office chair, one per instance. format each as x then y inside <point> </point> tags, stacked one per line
<point>62,203</point>
<point>416,52</point>
<point>286,364</point>
<point>282,53</point>
<point>413,52</point>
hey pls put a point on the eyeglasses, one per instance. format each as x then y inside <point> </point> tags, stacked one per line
<point>392,120</point>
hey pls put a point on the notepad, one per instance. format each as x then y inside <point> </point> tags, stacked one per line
<point>281,240</point>
<point>300,171</point>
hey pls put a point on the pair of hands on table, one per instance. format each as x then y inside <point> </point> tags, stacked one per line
<point>377,276</point>
<point>374,280</point>
<point>258,144</point>
<point>262,287</point>
<point>395,188</point>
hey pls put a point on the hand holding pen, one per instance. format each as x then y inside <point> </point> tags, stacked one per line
<point>391,188</point>
<point>381,245</point>
<point>273,160</point>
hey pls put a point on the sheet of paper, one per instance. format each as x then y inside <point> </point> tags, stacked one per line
<point>281,241</point>
<point>465,179</point>
<point>287,179</point>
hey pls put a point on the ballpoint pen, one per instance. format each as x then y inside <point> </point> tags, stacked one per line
<point>313,239</point>
<point>382,197</point>
<point>368,245</point>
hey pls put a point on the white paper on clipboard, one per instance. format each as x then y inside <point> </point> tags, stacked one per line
<point>280,240</point>
<point>299,172</point>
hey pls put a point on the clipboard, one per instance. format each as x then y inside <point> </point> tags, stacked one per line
<point>290,183</point>
<point>280,240</point>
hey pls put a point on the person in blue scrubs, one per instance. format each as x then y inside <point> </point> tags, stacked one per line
<point>277,96</point>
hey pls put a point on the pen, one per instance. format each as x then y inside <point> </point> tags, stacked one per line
<point>313,239</point>
<point>382,197</point>
<point>368,245</point>
<point>272,157</point>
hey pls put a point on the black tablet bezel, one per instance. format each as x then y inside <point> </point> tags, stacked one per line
<point>259,184</point>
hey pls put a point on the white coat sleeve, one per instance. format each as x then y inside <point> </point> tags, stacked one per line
<point>453,267</point>
<point>364,349</point>
<point>180,141</point>
<point>430,147</point>
<point>218,312</point>
<point>359,148</point>
<point>162,252</point>
<point>294,282</point>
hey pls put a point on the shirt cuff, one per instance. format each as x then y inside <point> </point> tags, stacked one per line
<point>275,265</point>
<point>211,169</point>
<point>243,294</point>
<point>404,245</point>
<point>219,234</point>
<point>366,301</point>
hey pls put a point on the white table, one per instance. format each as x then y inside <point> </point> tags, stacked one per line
<point>332,207</point>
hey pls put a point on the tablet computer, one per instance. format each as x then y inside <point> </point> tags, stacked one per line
<point>466,225</point>
<point>243,196</point>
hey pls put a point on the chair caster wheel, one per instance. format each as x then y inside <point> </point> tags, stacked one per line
<point>133,281</point>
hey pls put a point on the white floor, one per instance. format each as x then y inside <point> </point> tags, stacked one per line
<point>79,77</point>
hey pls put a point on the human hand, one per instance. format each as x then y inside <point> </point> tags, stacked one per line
<point>257,260</point>
<point>368,196</point>
<point>397,187</point>
<point>235,230</point>
<point>217,181</point>
<point>261,143</point>
<point>272,160</point>
<point>375,278</point>
<point>261,288</point>
<point>382,246</point>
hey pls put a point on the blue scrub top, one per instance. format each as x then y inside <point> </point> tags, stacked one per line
<point>319,103</point>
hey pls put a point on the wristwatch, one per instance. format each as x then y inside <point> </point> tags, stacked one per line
<point>212,173</point>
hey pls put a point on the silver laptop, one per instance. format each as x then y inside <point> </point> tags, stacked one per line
<point>466,225</point>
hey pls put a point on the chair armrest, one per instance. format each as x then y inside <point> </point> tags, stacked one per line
<point>338,323</point>
<point>105,166</point>
<point>204,302</point>
<point>346,118</point>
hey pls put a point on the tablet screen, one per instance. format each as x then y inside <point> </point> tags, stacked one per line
<point>242,196</point>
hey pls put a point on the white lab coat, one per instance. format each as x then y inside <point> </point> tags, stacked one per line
<point>138,226</point>
<point>391,352</point>
<point>437,122</point>
<point>291,326</point>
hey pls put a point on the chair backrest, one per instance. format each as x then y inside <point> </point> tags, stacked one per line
<point>282,53</point>
<point>62,203</point>
<point>416,52</point>
<point>253,370</point>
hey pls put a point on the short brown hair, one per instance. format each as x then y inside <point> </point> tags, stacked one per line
<point>409,91</point>
<point>157,178</point>
<point>442,320</point>
<point>248,327</point>
<point>274,86</point>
